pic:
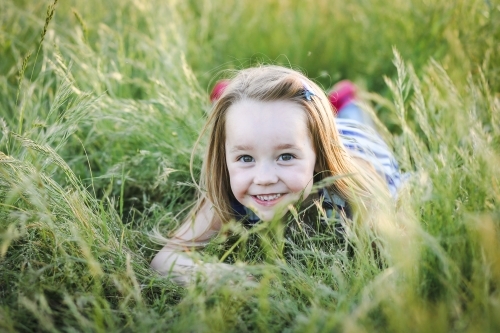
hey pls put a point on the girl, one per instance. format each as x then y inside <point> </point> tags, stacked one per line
<point>272,135</point>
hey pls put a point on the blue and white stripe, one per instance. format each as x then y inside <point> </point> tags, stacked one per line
<point>363,142</point>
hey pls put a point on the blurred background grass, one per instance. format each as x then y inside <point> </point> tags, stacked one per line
<point>101,103</point>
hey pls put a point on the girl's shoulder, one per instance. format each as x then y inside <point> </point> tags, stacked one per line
<point>334,205</point>
<point>332,198</point>
<point>323,212</point>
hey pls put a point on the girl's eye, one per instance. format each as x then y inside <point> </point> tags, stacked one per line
<point>246,158</point>
<point>286,157</point>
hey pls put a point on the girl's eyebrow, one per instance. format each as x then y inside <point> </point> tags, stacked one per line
<point>282,146</point>
<point>240,148</point>
<point>285,146</point>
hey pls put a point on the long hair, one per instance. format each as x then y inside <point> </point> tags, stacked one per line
<point>271,83</point>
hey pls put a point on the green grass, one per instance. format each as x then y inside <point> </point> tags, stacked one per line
<point>100,106</point>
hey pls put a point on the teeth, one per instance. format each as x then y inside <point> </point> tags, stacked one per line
<point>268,197</point>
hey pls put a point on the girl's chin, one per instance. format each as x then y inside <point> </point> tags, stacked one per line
<point>270,215</point>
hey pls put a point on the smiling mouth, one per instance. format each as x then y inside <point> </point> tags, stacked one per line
<point>268,197</point>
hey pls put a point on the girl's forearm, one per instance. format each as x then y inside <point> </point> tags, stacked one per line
<point>182,269</point>
<point>174,260</point>
<point>175,264</point>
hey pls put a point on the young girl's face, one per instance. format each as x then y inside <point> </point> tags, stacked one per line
<point>269,155</point>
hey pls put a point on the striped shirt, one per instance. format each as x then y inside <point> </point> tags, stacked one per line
<point>364,142</point>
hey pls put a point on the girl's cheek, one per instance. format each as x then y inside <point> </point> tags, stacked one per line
<point>299,179</point>
<point>238,180</point>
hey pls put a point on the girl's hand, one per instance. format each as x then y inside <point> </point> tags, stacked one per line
<point>219,274</point>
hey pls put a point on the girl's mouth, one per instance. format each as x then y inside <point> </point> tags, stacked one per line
<point>267,199</point>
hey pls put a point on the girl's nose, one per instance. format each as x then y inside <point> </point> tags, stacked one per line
<point>265,174</point>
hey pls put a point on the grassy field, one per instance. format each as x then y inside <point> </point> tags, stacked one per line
<point>100,105</point>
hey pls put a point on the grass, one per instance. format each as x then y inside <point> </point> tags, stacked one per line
<point>101,104</point>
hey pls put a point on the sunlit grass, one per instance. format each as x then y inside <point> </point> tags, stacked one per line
<point>99,117</point>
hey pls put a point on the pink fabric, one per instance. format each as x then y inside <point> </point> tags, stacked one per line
<point>343,93</point>
<point>218,90</point>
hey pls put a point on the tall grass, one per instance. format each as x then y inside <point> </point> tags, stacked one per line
<point>99,117</point>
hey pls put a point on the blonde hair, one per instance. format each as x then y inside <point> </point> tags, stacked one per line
<point>271,83</point>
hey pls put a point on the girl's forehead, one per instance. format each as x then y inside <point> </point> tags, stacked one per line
<point>256,109</point>
<point>249,120</point>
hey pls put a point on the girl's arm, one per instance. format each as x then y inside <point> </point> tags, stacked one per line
<point>173,260</point>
